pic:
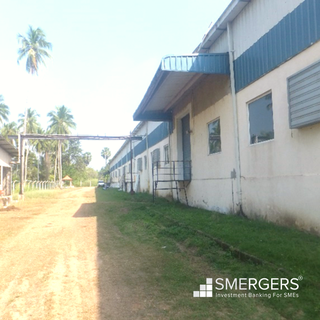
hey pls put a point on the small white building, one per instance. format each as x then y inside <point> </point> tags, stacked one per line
<point>7,152</point>
<point>244,110</point>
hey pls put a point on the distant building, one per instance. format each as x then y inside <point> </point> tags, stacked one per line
<point>242,117</point>
<point>7,152</point>
<point>155,138</point>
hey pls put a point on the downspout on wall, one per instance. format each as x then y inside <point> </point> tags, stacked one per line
<point>170,159</point>
<point>147,149</point>
<point>235,120</point>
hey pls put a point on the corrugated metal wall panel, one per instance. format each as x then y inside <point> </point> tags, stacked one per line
<point>221,44</point>
<point>140,147</point>
<point>248,27</point>
<point>304,97</point>
<point>296,32</point>
<point>157,135</point>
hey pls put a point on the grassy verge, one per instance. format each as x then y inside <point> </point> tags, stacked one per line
<point>30,193</point>
<point>190,257</point>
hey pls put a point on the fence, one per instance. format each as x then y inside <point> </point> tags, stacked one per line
<point>36,185</point>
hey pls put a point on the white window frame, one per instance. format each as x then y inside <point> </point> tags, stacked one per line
<point>249,124</point>
<point>166,154</point>
<point>139,164</point>
<point>145,162</point>
<point>217,152</point>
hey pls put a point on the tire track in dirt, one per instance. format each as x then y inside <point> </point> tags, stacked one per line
<point>48,270</point>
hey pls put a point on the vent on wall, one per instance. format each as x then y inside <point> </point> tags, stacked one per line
<point>304,97</point>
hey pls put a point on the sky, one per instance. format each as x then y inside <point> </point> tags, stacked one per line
<point>105,54</point>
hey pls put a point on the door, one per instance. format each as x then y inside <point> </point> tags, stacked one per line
<point>186,147</point>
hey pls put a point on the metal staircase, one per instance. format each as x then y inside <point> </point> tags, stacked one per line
<point>172,175</point>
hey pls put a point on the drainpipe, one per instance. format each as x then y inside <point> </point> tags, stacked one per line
<point>235,117</point>
<point>147,149</point>
<point>131,160</point>
<point>170,158</point>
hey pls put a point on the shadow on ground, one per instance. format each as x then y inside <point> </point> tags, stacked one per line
<point>120,281</point>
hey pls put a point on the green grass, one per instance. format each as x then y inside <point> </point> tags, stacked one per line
<point>287,252</point>
<point>41,194</point>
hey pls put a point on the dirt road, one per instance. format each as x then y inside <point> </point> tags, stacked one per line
<point>49,261</point>
<point>81,254</point>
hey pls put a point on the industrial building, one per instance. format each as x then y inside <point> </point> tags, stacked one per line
<point>235,125</point>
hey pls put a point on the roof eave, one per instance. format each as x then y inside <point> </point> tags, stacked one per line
<point>8,147</point>
<point>184,65</point>
<point>215,30</point>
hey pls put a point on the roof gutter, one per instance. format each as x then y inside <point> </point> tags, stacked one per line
<point>215,30</point>
<point>155,83</point>
<point>196,63</point>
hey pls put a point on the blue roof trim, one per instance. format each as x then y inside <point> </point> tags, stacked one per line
<point>155,116</point>
<point>140,147</point>
<point>154,137</point>
<point>163,86</point>
<point>211,63</point>
<point>158,134</point>
<point>294,33</point>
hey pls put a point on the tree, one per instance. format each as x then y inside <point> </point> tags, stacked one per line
<point>4,110</point>
<point>105,153</point>
<point>60,122</point>
<point>32,123</point>
<point>87,157</point>
<point>29,121</point>
<point>104,172</point>
<point>75,162</point>
<point>91,173</point>
<point>8,129</point>
<point>34,48</point>
<point>40,146</point>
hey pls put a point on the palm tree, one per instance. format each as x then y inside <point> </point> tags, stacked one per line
<point>105,153</point>
<point>34,47</point>
<point>4,110</point>
<point>40,146</point>
<point>60,122</point>
<point>9,129</point>
<point>32,123</point>
<point>29,121</point>
<point>87,157</point>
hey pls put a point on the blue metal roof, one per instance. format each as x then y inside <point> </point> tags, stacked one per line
<point>175,76</point>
